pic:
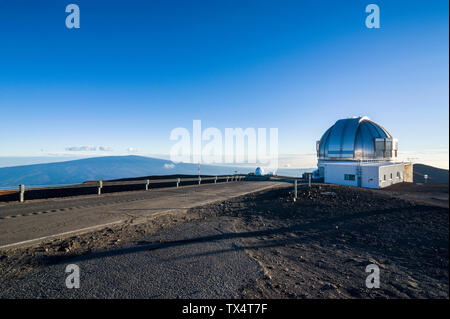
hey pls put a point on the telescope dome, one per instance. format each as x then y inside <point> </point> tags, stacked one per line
<point>259,171</point>
<point>356,139</point>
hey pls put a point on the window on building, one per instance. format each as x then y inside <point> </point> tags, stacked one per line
<point>398,175</point>
<point>384,177</point>
<point>391,175</point>
<point>349,177</point>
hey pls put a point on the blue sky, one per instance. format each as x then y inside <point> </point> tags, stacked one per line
<point>135,70</point>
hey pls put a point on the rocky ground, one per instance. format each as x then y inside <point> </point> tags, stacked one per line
<point>319,246</point>
<point>316,247</point>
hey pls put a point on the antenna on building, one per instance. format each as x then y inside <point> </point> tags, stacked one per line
<point>411,159</point>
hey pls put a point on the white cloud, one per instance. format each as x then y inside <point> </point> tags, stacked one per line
<point>131,150</point>
<point>81,148</point>
<point>105,148</point>
<point>169,166</point>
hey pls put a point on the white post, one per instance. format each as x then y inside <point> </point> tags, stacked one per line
<point>199,180</point>
<point>309,180</point>
<point>22,193</point>
<point>178,182</point>
<point>227,179</point>
<point>99,189</point>
<point>295,190</point>
<point>215,180</point>
<point>147,184</point>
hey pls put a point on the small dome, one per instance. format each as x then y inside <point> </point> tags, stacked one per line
<point>356,138</point>
<point>259,171</point>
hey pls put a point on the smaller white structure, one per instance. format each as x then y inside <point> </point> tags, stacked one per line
<point>259,171</point>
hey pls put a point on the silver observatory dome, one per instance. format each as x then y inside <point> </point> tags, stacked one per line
<point>356,139</point>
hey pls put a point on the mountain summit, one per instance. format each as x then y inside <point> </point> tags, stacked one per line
<point>99,168</point>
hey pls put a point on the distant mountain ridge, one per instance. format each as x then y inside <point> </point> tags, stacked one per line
<point>435,175</point>
<point>100,168</point>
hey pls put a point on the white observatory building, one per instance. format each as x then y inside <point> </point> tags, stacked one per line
<point>359,152</point>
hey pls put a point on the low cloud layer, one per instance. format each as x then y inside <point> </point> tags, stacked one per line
<point>81,149</point>
<point>88,148</point>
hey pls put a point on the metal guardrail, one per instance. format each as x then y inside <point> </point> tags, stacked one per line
<point>145,182</point>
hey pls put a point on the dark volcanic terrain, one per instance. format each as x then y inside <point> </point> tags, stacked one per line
<point>316,247</point>
<point>319,246</point>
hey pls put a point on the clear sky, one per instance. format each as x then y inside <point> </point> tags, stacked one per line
<point>135,70</point>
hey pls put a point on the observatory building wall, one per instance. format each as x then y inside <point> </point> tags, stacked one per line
<point>391,174</point>
<point>370,176</point>
<point>340,173</point>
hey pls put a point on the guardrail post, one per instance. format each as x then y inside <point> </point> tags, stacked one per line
<point>227,179</point>
<point>178,182</point>
<point>22,193</point>
<point>309,180</point>
<point>99,189</point>
<point>215,180</point>
<point>295,190</point>
<point>147,183</point>
<point>199,180</point>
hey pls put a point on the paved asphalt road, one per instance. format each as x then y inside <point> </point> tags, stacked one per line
<point>189,264</point>
<point>32,220</point>
<point>192,260</point>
